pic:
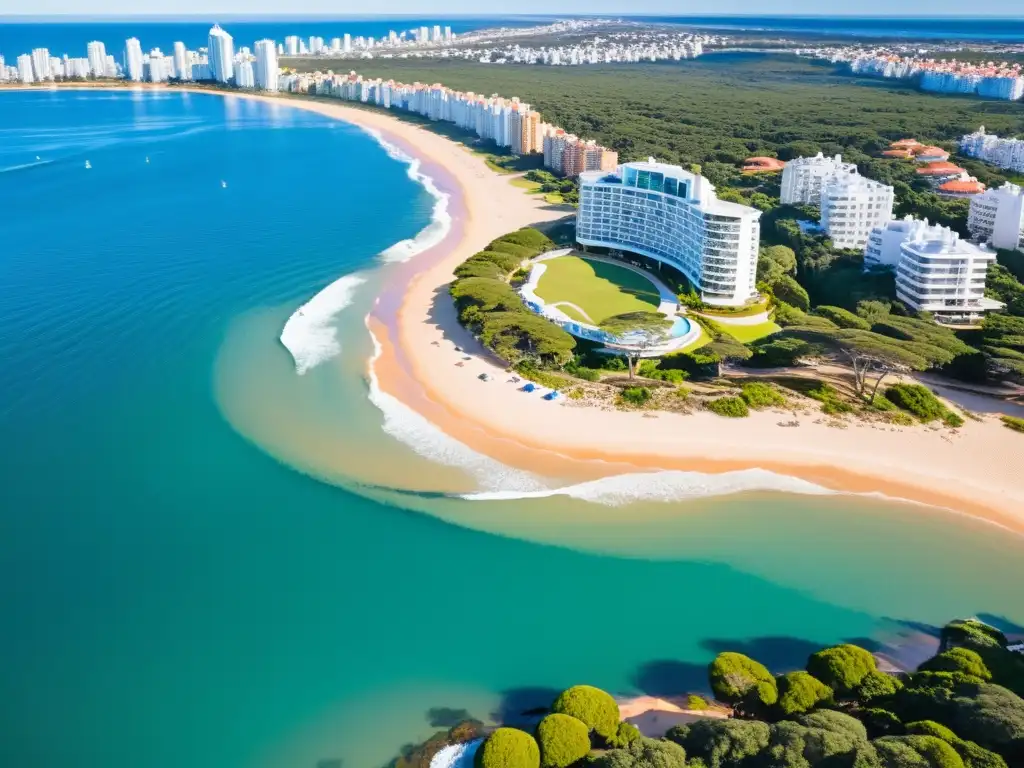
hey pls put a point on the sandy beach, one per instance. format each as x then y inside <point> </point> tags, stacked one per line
<point>974,470</point>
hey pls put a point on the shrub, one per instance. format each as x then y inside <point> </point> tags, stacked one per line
<point>683,393</point>
<point>916,399</point>
<point>844,318</point>
<point>830,400</point>
<point>778,353</point>
<point>757,394</point>
<point>841,667</point>
<point>696,703</point>
<point>721,742</point>
<point>931,728</point>
<point>880,722</point>
<point>731,407</point>
<point>788,290</point>
<point>882,403</point>
<point>971,633</point>
<point>643,753</point>
<point>799,692</point>
<point>877,684</point>
<point>636,396</point>
<point>626,735</point>
<point>576,394</point>
<point>562,740</point>
<point>479,268</point>
<point>508,748</point>
<point>838,722</point>
<point>908,751</point>
<point>1012,422</point>
<point>953,420</point>
<point>741,681</point>
<point>506,261</point>
<point>593,706</point>
<point>958,659</point>
<point>587,374</point>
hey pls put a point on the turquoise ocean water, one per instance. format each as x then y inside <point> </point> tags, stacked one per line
<point>194,567</point>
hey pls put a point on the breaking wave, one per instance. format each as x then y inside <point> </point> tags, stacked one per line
<point>309,334</point>
<point>440,220</point>
<point>664,485</point>
<point>456,755</point>
<point>415,431</point>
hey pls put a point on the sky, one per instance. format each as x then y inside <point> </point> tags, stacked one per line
<point>476,8</point>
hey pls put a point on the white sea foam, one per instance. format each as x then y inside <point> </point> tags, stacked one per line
<point>409,427</point>
<point>456,755</point>
<point>666,485</point>
<point>440,220</point>
<point>309,334</point>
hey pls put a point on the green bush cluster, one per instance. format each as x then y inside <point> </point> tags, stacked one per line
<point>508,748</point>
<point>595,708</point>
<point>563,740</point>
<point>730,407</point>
<point>916,399</point>
<point>1013,422</point>
<point>494,312</point>
<point>801,692</point>
<point>830,399</point>
<point>843,318</point>
<point>636,396</point>
<point>739,680</point>
<point>841,667</point>
<point>757,394</point>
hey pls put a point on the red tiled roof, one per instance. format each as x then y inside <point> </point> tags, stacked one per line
<point>904,143</point>
<point>963,187</point>
<point>940,168</point>
<point>904,153</point>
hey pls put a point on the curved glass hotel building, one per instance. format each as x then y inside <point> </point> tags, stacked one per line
<point>673,216</point>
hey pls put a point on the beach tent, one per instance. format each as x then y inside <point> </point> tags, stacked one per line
<point>529,387</point>
<point>551,395</point>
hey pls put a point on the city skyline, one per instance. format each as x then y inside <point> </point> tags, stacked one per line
<point>242,9</point>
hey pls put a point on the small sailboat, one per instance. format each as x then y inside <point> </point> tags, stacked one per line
<point>147,159</point>
<point>88,165</point>
<point>38,157</point>
<point>224,185</point>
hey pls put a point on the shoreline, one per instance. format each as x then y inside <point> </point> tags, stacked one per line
<point>414,322</point>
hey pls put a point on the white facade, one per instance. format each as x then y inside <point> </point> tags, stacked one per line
<point>133,63</point>
<point>182,65</point>
<point>883,247</point>
<point>159,66</point>
<point>267,70</point>
<point>852,206</point>
<point>997,217</point>
<point>803,178</point>
<point>942,274</point>
<point>25,74</point>
<point>1004,153</point>
<point>221,53</point>
<point>291,45</point>
<point>41,64</point>
<point>666,213</point>
<point>245,76</point>
<point>97,53</point>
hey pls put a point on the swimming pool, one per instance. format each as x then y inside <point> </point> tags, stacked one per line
<point>680,327</point>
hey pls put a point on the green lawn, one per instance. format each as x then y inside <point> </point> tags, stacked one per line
<point>749,333</point>
<point>601,290</point>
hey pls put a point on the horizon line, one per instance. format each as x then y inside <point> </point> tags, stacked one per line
<point>630,15</point>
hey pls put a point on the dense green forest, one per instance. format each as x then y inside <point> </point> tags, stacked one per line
<point>962,708</point>
<point>717,110</point>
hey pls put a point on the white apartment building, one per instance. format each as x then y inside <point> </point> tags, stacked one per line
<point>182,65</point>
<point>673,216</point>
<point>41,64</point>
<point>852,206</point>
<point>267,70</point>
<point>133,62</point>
<point>244,74</point>
<point>97,53</point>
<point>221,52</point>
<point>883,246</point>
<point>291,45</point>
<point>159,66</point>
<point>942,274</point>
<point>25,73</point>
<point>803,178</point>
<point>997,217</point>
<point>1004,153</point>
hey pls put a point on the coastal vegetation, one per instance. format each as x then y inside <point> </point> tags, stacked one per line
<point>961,708</point>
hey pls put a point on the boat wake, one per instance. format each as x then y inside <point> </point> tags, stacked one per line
<point>456,755</point>
<point>415,431</point>
<point>309,334</point>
